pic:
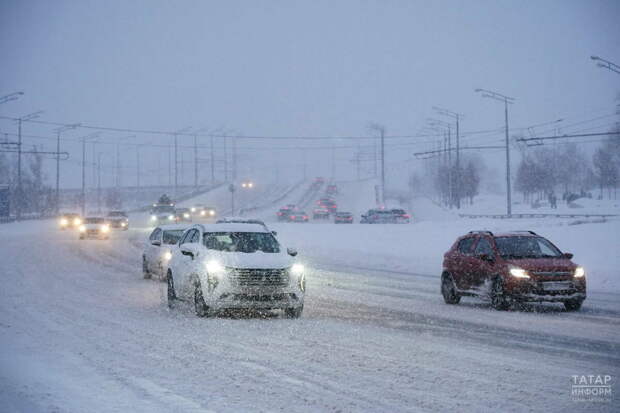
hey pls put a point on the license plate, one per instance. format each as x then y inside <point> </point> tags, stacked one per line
<point>557,285</point>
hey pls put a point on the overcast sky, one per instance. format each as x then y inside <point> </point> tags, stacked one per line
<point>291,68</point>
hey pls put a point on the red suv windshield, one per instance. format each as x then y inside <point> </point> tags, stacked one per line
<point>526,247</point>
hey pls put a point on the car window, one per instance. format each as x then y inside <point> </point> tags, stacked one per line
<point>152,236</point>
<point>526,247</point>
<point>171,237</point>
<point>483,248</point>
<point>194,237</point>
<point>248,242</point>
<point>465,245</point>
<point>185,238</point>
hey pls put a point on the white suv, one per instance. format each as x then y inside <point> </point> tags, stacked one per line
<point>234,266</point>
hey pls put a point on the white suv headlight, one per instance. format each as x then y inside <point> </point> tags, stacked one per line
<point>297,269</point>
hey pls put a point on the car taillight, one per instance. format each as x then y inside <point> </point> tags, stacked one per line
<point>406,216</point>
<point>305,217</point>
<point>292,216</point>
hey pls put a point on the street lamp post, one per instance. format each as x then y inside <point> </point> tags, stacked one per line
<point>507,100</point>
<point>448,149</point>
<point>456,117</point>
<point>600,62</point>
<point>58,132</point>
<point>10,97</point>
<point>176,157</point>
<point>83,197</point>
<point>19,159</point>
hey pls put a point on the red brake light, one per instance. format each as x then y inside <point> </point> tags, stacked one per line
<point>406,215</point>
<point>305,217</point>
<point>292,216</point>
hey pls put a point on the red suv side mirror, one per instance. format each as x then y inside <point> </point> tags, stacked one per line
<point>567,255</point>
<point>486,257</point>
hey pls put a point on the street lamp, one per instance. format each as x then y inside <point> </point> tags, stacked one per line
<point>456,117</point>
<point>507,100</point>
<point>10,97</point>
<point>606,64</point>
<point>19,158</point>
<point>84,139</point>
<point>436,123</point>
<point>176,157</point>
<point>58,132</point>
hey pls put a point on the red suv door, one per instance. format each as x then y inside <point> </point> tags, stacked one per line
<point>482,269</point>
<point>460,262</point>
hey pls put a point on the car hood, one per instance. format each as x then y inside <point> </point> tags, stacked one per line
<point>544,264</point>
<point>252,260</point>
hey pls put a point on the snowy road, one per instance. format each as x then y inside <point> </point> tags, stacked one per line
<point>82,331</point>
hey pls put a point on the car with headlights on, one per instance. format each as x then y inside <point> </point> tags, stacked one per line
<point>118,219</point>
<point>163,214</point>
<point>202,211</point>
<point>94,227</point>
<point>513,267</point>
<point>183,215</point>
<point>69,220</point>
<point>158,250</point>
<point>235,266</point>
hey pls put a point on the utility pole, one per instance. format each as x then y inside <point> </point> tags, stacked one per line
<point>383,166</point>
<point>195,162</point>
<point>137,166</point>
<point>83,197</point>
<point>212,162</point>
<point>118,166</point>
<point>506,100</point>
<point>456,117</point>
<point>169,168</point>
<point>448,155</point>
<point>234,159</point>
<point>20,195</point>
<point>333,162</point>
<point>305,163</point>
<point>99,183</point>
<point>225,159</point>
<point>176,167</point>
<point>58,132</point>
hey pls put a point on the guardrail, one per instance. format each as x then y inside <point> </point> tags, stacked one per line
<point>505,216</point>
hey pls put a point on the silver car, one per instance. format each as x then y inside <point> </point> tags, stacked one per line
<point>158,250</point>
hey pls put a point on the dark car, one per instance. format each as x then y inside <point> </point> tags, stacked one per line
<point>320,213</point>
<point>401,216</point>
<point>70,220</point>
<point>298,216</point>
<point>328,203</point>
<point>118,219</point>
<point>183,215</point>
<point>378,216</point>
<point>511,267</point>
<point>343,218</point>
<point>331,189</point>
<point>284,212</point>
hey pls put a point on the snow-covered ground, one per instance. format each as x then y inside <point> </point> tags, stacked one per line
<point>81,330</point>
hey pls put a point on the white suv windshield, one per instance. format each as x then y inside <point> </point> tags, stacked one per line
<point>248,242</point>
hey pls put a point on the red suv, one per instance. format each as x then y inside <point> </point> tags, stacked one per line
<point>511,267</point>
